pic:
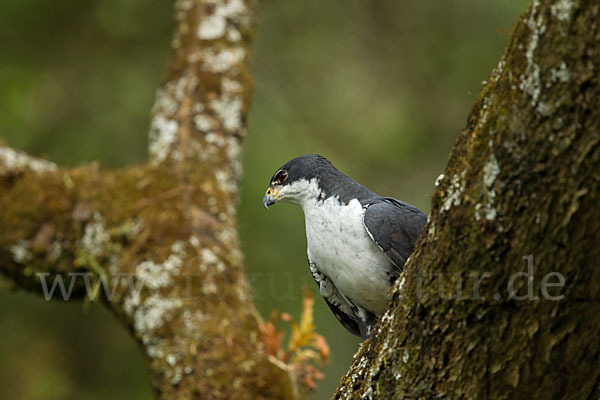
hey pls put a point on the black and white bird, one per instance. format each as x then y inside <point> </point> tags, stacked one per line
<point>357,241</point>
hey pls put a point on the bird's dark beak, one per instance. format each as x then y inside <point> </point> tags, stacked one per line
<point>270,197</point>
<point>268,201</point>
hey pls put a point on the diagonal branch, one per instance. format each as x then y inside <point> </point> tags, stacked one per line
<point>157,243</point>
<point>13,162</point>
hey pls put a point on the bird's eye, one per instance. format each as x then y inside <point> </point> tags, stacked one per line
<point>281,176</point>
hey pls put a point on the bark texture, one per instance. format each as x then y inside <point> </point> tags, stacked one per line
<point>157,243</point>
<point>522,181</point>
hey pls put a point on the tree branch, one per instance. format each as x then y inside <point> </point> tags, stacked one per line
<point>13,161</point>
<point>157,243</point>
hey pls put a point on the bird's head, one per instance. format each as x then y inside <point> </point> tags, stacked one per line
<point>296,180</point>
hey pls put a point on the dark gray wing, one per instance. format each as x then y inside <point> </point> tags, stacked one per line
<point>394,226</point>
<point>347,322</point>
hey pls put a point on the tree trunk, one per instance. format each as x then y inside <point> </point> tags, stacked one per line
<point>500,298</point>
<point>157,243</point>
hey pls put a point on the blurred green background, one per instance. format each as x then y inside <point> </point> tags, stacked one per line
<point>381,88</point>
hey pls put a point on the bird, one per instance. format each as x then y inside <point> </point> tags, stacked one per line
<point>357,241</point>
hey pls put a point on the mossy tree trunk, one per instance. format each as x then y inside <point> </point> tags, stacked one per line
<point>501,298</point>
<point>157,243</point>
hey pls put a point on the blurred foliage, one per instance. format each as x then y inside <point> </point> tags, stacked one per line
<point>381,88</point>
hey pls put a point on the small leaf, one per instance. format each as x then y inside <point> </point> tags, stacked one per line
<point>307,351</point>
<point>271,335</point>
<point>323,347</point>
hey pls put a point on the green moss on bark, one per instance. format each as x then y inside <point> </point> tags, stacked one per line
<point>521,181</point>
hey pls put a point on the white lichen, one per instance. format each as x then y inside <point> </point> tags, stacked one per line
<point>225,181</point>
<point>222,60</point>
<point>171,359</point>
<point>208,256</point>
<point>164,103</point>
<point>530,82</point>
<point>230,209</point>
<point>385,319</point>
<point>221,123</point>
<point>13,160</point>
<point>209,288</point>
<point>228,108</point>
<point>455,191</point>
<point>20,251</point>
<point>233,152</point>
<point>401,282</point>
<point>164,128</point>
<point>194,320</point>
<point>154,275</point>
<point>153,312</point>
<point>490,171</point>
<point>213,205</point>
<point>215,139</point>
<point>439,180</point>
<point>544,108</point>
<point>490,213</point>
<point>210,259</point>
<point>368,394</point>
<point>184,5</point>
<point>214,26</point>
<point>562,9</point>
<point>405,356</point>
<point>163,136</point>
<point>178,247</point>
<point>231,86</point>
<point>56,249</point>
<point>560,74</point>
<point>431,230</point>
<point>497,72</point>
<point>95,236</point>
<point>154,350</point>
<point>132,300</point>
<point>484,112</point>
<point>227,236</point>
<point>203,123</point>
<point>194,241</point>
<point>175,376</point>
<point>234,35</point>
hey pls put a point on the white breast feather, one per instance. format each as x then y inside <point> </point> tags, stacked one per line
<point>338,243</point>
